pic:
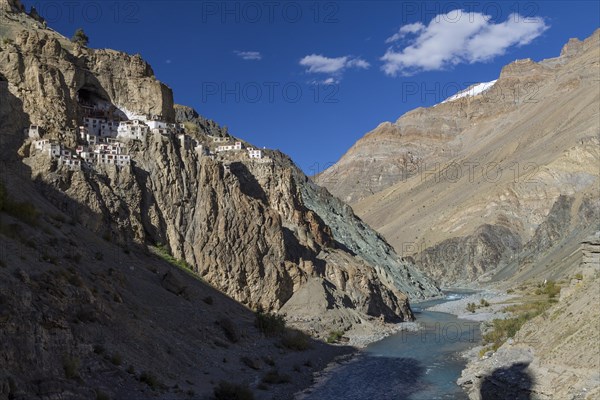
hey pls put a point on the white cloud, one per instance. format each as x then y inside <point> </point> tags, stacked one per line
<point>405,30</point>
<point>249,55</point>
<point>450,40</point>
<point>317,63</point>
<point>358,63</point>
<point>328,81</point>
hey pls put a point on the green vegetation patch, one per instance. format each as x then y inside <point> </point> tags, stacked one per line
<point>23,211</point>
<point>268,323</point>
<point>295,340</point>
<point>549,288</point>
<point>334,336</point>
<point>165,254</point>
<point>71,367</point>
<point>504,329</point>
<point>151,380</point>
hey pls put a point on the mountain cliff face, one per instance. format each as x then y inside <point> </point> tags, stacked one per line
<point>85,318</point>
<point>258,231</point>
<point>49,77</point>
<point>467,187</point>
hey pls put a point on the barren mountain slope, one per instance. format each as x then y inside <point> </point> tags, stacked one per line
<point>487,170</point>
<point>82,318</point>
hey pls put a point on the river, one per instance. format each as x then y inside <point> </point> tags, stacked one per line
<point>422,365</point>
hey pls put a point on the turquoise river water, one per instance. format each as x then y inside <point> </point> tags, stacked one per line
<point>422,365</point>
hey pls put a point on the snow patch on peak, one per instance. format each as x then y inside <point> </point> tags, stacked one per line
<point>472,90</point>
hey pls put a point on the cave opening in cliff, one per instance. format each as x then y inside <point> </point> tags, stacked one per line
<point>96,104</point>
<point>3,79</point>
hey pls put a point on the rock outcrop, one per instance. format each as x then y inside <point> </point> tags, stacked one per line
<point>465,259</point>
<point>84,318</point>
<point>590,256</point>
<point>49,74</point>
<point>205,125</point>
<point>12,6</point>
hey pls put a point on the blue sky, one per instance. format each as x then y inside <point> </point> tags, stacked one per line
<point>312,77</point>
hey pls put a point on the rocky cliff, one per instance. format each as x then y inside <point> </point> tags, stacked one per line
<point>82,317</point>
<point>11,6</point>
<point>208,126</point>
<point>475,185</point>
<point>49,73</point>
<point>258,231</point>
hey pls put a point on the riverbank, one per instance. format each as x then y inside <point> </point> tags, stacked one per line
<point>420,360</point>
<point>360,337</point>
<point>496,302</point>
<point>357,338</point>
<point>552,351</point>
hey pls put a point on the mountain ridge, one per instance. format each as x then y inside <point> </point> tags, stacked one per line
<point>501,158</point>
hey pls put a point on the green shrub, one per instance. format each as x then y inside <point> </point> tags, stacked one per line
<point>150,379</point>
<point>74,256</point>
<point>230,330</point>
<point>24,211</point>
<point>49,258</point>
<point>484,350</point>
<point>274,377</point>
<point>231,391</point>
<point>3,196</point>
<point>295,340</point>
<point>80,38</point>
<point>100,395</point>
<point>471,307</point>
<point>334,336</point>
<point>579,276</point>
<point>551,289</point>
<point>484,303</point>
<point>99,349</point>
<point>270,324</point>
<point>116,359</point>
<point>71,367</point>
<point>59,218</point>
<point>503,329</point>
<point>269,360</point>
<point>166,255</point>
